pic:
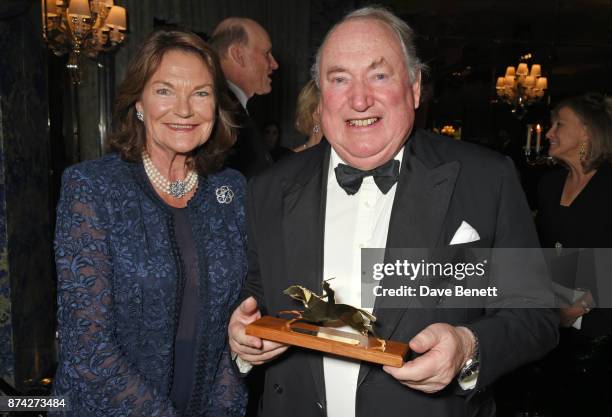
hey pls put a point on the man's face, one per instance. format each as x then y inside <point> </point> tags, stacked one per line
<point>367,99</point>
<point>259,61</point>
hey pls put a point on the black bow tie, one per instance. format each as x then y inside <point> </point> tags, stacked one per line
<point>385,176</point>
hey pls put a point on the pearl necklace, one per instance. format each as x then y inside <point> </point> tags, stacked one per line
<point>178,188</point>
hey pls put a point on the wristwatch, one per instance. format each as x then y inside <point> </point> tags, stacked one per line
<point>469,373</point>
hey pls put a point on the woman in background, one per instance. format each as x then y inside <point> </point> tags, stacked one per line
<point>272,138</point>
<point>575,203</point>
<point>307,117</point>
<point>575,211</point>
<point>150,247</point>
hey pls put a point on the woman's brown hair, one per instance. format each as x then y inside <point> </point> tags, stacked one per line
<point>595,111</point>
<point>129,137</point>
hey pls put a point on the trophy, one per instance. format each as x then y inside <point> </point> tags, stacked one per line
<point>307,329</point>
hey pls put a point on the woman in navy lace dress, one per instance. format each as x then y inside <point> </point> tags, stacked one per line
<point>150,247</point>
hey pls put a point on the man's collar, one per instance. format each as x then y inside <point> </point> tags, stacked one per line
<point>335,158</point>
<point>240,95</point>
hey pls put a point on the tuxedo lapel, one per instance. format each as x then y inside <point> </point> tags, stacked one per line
<point>303,234</point>
<point>419,210</point>
<point>421,201</point>
<point>303,226</point>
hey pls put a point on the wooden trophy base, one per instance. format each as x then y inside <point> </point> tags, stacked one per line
<point>329,340</point>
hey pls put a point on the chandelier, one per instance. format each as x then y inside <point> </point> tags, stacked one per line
<point>521,86</point>
<point>82,26</point>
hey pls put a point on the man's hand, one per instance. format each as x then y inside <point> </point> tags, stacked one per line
<point>250,348</point>
<point>445,349</point>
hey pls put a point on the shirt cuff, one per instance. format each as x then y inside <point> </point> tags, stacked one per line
<point>243,366</point>
<point>578,323</point>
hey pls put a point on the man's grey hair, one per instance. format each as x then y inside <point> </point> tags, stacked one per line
<point>228,34</point>
<point>404,33</point>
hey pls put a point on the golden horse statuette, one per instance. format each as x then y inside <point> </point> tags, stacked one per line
<point>318,310</point>
<point>314,328</point>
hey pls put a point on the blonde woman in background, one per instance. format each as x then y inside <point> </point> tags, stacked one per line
<point>307,117</point>
<point>574,206</point>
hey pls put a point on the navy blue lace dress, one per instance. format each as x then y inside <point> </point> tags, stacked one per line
<point>120,282</point>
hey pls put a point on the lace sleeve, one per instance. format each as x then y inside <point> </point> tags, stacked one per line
<point>229,394</point>
<point>99,379</point>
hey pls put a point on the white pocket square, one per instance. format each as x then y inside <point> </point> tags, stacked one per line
<point>465,234</point>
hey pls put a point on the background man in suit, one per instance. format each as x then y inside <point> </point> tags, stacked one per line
<point>382,184</point>
<point>245,51</point>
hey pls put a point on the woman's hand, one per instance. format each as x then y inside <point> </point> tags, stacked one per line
<point>582,306</point>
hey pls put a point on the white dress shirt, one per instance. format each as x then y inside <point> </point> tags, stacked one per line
<point>352,222</point>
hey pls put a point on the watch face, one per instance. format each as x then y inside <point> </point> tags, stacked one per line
<point>469,372</point>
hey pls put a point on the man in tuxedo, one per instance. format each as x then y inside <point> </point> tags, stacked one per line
<point>382,183</point>
<point>245,52</point>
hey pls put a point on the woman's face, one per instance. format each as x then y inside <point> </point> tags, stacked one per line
<point>271,135</point>
<point>565,136</point>
<point>178,104</point>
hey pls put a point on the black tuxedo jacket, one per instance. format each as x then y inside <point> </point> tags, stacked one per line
<point>249,155</point>
<point>442,182</point>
